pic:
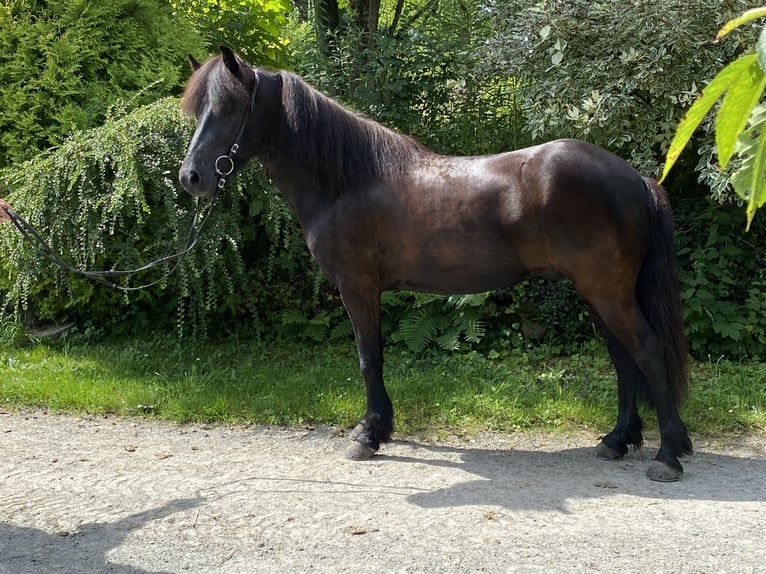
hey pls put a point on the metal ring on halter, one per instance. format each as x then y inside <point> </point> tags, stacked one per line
<point>224,172</point>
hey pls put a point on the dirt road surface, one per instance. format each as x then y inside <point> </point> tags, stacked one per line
<point>98,495</point>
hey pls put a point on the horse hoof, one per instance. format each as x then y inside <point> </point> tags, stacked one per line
<point>359,451</point>
<point>606,452</point>
<point>663,472</point>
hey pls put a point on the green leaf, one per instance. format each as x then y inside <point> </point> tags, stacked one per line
<point>450,340</point>
<point>735,110</point>
<point>717,86</point>
<point>421,328</point>
<point>748,179</point>
<point>294,317</point>
<point>760,49</point>
<point>746,17</point>
<point>473,300</point>
<point>758,189</point>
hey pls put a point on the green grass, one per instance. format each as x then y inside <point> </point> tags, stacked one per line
<point>288,383</point>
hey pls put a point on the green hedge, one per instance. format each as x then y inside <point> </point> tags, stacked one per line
<point>65,63</point>
<point>109,198</point>
<point>723,279</point>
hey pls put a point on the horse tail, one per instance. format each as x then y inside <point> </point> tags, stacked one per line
<point>659,294</point>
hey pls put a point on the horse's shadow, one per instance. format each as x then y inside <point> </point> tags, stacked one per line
<point>522,479</point>
<point>25,550</point>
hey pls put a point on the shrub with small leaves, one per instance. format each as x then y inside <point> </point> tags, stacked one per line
<point>613,72</point>
<point>723,280</point>
<point>251,27</point>
<point>109,198</point>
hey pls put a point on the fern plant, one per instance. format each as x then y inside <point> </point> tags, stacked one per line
<point>419,319</point>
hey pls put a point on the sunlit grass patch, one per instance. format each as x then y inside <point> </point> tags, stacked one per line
<point>239,381</point>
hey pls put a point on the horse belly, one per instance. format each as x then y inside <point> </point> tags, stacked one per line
<point>442,285</point>
<point>467,266</point>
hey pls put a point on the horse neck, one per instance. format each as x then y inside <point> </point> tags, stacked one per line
<point>304,196</point>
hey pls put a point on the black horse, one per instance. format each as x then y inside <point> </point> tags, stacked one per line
<point>380,212</point>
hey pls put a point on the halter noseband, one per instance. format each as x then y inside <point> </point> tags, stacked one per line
<point>226,170</point>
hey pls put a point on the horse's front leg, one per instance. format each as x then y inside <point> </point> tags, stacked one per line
<point>363,307</point>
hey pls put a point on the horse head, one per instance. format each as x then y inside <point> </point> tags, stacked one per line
<point>235,107</point>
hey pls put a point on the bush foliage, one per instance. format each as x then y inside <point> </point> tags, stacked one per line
<point>723,280</point>
<point>477,78</point>
<point>252,27</point>
<point>616,73</point>
<point>604,71</point>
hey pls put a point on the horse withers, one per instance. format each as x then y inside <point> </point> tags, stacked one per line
<point>378,212</point>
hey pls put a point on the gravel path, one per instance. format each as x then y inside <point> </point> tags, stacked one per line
<point>81,496</point>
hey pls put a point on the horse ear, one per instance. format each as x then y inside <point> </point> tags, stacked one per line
<point>230,60</point>
<point>194,64</point>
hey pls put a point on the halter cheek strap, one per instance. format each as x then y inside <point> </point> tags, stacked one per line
<point>224,164</point>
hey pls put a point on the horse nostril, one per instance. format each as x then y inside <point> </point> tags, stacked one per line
<point>189,178</point>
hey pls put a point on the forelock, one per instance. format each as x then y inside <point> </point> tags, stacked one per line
<point>211,82</point>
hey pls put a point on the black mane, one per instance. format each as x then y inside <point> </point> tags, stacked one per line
<point>342,150</point>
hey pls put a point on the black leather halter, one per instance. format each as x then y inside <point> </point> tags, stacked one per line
<point>224,172</point>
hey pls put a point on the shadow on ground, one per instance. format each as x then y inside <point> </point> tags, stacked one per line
<point>33,551</point>
<point>546,480</point>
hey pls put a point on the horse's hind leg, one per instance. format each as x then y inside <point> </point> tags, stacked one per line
<point>630,328</point>
<point>627,430</point>
<point>674,437</point>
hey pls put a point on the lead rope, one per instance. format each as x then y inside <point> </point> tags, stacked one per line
<point>45,250</point>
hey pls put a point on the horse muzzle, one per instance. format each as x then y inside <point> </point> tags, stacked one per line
<point>197,184</point>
